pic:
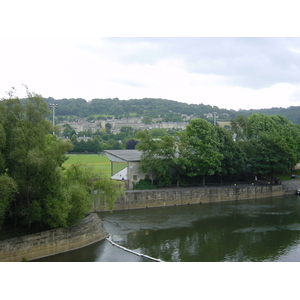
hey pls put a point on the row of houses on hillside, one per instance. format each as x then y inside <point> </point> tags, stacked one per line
<point>117,124</point>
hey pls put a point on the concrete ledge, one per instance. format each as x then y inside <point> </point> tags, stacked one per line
<point>55,241</point>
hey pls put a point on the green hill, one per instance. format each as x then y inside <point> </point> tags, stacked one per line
<point>169,110</point>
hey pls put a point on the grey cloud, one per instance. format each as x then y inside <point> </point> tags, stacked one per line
<point>249,62</point>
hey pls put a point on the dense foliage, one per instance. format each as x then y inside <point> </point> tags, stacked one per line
<point>200,149</point>
<point>170,111</point>
<point>271,143</point>
<point>71,110</point>
<point>257,146</point>
<point>35,191</point>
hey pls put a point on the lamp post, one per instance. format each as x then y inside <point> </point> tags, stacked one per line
<point>53,108</point>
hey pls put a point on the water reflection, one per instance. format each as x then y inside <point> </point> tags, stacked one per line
<point>99,252</point>
<point>254,230</point>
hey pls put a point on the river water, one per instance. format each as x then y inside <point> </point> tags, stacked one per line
<point>257,230</point>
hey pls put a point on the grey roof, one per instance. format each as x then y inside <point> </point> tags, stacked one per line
<point>123,155</point>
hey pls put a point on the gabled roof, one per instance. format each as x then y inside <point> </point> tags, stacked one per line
<point>123,155</point>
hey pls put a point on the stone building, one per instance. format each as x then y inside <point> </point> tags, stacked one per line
<point>117,124</point>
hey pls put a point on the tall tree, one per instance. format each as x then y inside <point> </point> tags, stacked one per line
<point>108,128</point>
<point>131,144</point>
<point>32,156</point>
<point>199,149</point>
<point>240,128</point>
<point>34,187</point>
<point>159,156</point>
<point>8,191</point>
<point>234,159</point>
<point>270,154</point>
<point>271,143</point>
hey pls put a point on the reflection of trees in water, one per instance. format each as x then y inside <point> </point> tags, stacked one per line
<point>234,237</point>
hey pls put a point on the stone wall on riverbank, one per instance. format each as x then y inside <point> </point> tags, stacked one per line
<point>50,242</point>
<point>134,199</point>
<point>290,186</point>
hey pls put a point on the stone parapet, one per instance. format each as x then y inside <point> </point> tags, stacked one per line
<point>55,241</point>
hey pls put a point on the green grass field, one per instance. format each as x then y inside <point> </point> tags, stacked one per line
<point>100,162</point>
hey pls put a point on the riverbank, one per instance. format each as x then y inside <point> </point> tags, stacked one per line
<point>136,199</point>
<point>91,230</point>
<point>55,241</point>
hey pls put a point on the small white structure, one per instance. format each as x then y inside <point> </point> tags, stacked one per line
<point>297,167</point>
<point>130,169</point>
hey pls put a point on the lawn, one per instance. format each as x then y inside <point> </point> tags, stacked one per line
<point>100,162</point>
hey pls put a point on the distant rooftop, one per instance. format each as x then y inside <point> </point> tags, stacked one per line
<point>123,155</point>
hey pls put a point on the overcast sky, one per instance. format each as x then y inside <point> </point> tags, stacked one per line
<point>228,72</point>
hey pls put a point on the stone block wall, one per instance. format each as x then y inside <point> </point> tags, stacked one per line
<point>134,199</point>
<point>291,186</point>
<point>50,242</point>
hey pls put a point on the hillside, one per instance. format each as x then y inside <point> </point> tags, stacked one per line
<point>169,110</point>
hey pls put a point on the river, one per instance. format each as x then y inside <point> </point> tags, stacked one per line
<point>257,230</point>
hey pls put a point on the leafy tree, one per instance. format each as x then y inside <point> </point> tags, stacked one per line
<point>34,188</point>
<point>7,193</point>
<point>129,131</point>
<point>68,131</point>
<point>234,158</point>
<point>240,127</point>
<point>160,157</point>
<point>291,134</point>
<point>158,132</point>
<point>32,156</point>
<point>97,147</point>
<point>271,143</point>
<point>157,156</point>
<point>258,123</point>
<point>199,149</point>
<point>131,144</point>
<point>107,190</point>
<point>270,154</point>
<point>108,128</point>
<point>147,120</point>
<point>2,141</point>
<point>115,145</point>
<point>79,183</point>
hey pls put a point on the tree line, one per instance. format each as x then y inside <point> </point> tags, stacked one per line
<point>104,139</point>
<point>168,110</point>
<point>35,191</point>
<point>258,145</point>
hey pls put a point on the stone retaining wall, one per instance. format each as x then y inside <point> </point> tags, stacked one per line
<point>90,230</point>
<point>290,186</point>
<point>55,241</point>
<point>134,199</point>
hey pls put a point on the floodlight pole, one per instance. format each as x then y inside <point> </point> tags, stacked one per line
<point>215,115</point>
<point>53,109</point>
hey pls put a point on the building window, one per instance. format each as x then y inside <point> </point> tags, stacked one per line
<point>134,177</point>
